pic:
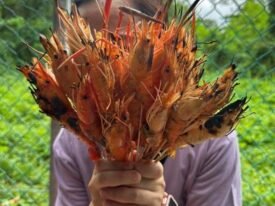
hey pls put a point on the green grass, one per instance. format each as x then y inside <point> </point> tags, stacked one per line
<point>25,143</point>
<point>256,138</point>
<point>256,134</point>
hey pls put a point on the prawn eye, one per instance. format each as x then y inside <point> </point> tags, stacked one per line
<point>125,117</point>
<point>167,70</point>
<point>32,78</point>
<point>73,122</point>
<point>58,107</point>
<point>214,122</point>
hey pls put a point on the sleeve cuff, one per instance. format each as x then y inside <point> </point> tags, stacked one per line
<point>169,200</point>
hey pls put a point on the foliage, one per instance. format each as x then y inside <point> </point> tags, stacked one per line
<point>24,144</point>
<point>24,133</point>
<point>271,4</point>
<point>19,25</point>
<point>256,134</point>
<point>245,38</point>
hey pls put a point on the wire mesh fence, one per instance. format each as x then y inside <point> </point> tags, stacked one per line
<point>24,132</point>
<point>242,30</point>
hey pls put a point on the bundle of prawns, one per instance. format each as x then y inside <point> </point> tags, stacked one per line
<point>133,93</point>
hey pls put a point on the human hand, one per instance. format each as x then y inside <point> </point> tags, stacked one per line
<point>121,183</point>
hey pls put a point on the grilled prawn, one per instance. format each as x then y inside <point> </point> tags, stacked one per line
<point>134,93</point>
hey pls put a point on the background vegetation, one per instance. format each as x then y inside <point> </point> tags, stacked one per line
<point>246,36</point>
<point>24,131</point>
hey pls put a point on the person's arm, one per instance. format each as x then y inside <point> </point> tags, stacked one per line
<point>71,190</point>
<point>218,182</point>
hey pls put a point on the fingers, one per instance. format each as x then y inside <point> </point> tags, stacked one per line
<point>113,203</point>
<point>115,178</point>
<point>151,185</point>
<point>129,195</point>
<point>105,165</point>
<point>149,169</point>
<point>152,176</point>
<point>121,183</point>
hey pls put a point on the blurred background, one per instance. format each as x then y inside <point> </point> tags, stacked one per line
<point>243,31</point>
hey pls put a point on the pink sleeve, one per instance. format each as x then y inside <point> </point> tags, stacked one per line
<point>218,182</point>
<point>70,186</point>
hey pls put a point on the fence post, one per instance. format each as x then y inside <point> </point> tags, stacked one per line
<point>54,130</point>
<point>66,4</point>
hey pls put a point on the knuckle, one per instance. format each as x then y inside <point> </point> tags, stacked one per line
<point>92,182</point>
<point>92,186</point>
<point>156,170</point>
<point>162,183</point>
<point>159,169</point>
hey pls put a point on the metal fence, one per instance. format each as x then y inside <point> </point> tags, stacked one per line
<point>242,30</point>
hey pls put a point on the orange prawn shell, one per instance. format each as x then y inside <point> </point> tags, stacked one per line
<point>118,141</point>
<point>132,94</point>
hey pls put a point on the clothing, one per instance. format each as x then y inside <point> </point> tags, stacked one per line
<point>207,174</point>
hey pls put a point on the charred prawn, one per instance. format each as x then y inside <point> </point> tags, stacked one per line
<point>134,93</point>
